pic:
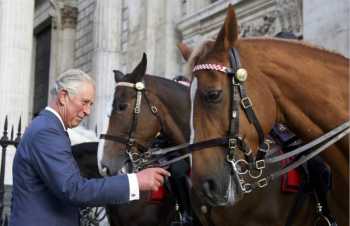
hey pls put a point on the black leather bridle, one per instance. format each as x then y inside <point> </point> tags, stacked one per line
<point>233,141</point>
<point>139,155</point>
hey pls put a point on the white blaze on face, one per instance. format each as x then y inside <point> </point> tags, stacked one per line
<point>101,143</point>
<point>193,91</point>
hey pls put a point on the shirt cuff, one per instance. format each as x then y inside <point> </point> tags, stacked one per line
<point>134,191</point>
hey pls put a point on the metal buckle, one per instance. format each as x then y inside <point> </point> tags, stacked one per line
<point>147,154</point>
<point>262,183</point>
<point>232,143</point>
<point>134,157</point>
<point>246,102</point>
<point>154,109</point>
<point>255,176</point>
<point>131,141</point>
<point>267,145</point>
<point>238,165</point>
<point>137,110</point>
<point>247,188</point>
<point>260,164</point>
<point>139,86</point>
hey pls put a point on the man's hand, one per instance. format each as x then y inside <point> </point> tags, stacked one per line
<point>151,179</point>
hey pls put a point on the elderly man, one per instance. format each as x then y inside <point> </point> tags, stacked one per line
<point>47,186</point>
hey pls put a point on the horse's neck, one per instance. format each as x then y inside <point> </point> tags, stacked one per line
<point>175,111</point>
<point>303,80</point>
<point>309,87</point>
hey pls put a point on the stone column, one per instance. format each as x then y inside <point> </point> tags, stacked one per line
<point>154,26</point>
<point>69,21</point>
<point>106,56</point>
<point>161,37</point>
<point>16,41</point>
<point>172,56</point>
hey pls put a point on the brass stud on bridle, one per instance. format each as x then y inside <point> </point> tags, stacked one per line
<point>241,75</point>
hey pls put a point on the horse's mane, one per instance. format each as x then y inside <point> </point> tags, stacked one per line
<point>165,87</point>
<point>164,81</point>
<point>203,48</point>
<point>308,45</point>
<point>170,92</point>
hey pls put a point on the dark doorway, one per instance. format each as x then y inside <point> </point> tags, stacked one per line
<point>42,66</point>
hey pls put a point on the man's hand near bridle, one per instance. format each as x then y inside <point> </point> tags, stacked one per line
<point>151,179</point>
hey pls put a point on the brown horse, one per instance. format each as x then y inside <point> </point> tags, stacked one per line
<point>85,154</point>
<point>135,213</point>
<point>164,109</point>
<point>302,86</point>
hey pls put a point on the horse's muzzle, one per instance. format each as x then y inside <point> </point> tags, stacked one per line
<point>222,192</point>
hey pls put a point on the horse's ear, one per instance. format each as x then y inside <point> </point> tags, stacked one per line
<point>185,50</point>
<point>140,69</point>
<point>118,75</point>
<point>228,34</point>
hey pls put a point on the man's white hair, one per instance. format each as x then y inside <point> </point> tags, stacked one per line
<point>71,81</point>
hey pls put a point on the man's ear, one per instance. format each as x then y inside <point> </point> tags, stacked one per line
<point>62,97</point>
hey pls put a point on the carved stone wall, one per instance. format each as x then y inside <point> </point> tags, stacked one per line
<point>69,17</point>
<point>256,18</point>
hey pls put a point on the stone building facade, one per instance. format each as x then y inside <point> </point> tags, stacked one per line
<point>39,39</point>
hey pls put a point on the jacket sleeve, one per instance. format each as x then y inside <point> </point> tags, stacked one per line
<point>53,160</point>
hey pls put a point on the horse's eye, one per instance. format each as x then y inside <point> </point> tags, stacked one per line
<point>121,106</point>
<point>213,96</point>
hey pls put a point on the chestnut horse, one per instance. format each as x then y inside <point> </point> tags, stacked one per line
<point>302,86</point>
<point>164,109</point>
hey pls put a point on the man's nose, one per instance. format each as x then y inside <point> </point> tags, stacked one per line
<point>87,109</point>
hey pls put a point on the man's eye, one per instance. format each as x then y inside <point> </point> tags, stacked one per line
<point>86,102</point>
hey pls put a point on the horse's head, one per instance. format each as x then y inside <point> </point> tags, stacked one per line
<point>213,176</point>
<point>143,108</point>
<point>130,125</point>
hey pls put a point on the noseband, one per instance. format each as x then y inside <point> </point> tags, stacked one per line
<point>140,155</point>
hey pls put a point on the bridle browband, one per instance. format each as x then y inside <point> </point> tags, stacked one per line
<point>138,158</point>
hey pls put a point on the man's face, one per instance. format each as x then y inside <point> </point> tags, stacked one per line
<point>79,106</point>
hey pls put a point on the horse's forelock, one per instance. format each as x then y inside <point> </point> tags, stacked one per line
<point>197,52</point>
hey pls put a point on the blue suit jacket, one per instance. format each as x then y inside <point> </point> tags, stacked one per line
<point>47,186</point>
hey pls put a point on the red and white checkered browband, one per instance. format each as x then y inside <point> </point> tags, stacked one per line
<point>215,67</point>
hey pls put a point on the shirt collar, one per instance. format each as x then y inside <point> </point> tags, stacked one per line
<point>57,115</point>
